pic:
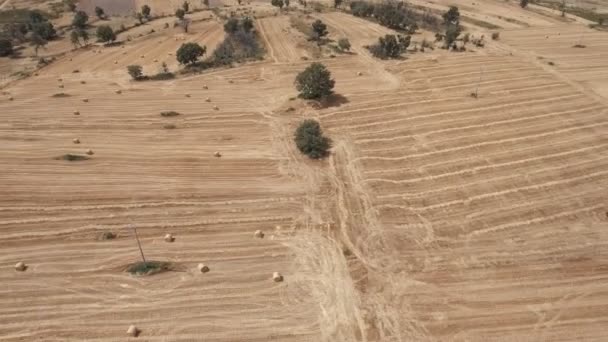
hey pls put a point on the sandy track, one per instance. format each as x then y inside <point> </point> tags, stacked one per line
<point>279,37</point>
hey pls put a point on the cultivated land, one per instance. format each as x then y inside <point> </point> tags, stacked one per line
<point>437,216</point>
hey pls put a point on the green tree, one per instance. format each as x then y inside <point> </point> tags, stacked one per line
<point>247,24</point>
<point>99,12</point>
<point>84,35</point>
<point>105,34</point>
<point>451,34</point>
<point>38,42</point>
<point>186,6</point>
<point>315,82</point>
<point>179,13</point>
<point>390,46</point>
<point>309,140</point>
<point>75,38</point>
<point>344,44</point>
<point>231,26</point>
<point>45,30</point>
<point>452,16</point>
<point>80,20</point>
<point>319,28</point>
<point>135,71</point>
<point>6,47</point>
<point>140,17</point>
<point>523,3</point>
<point>189,53</point>
<point>277,3</point>
<point>145,11</point>
<point>206,3</point>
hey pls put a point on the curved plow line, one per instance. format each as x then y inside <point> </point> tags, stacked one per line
<point>493,179</point>
<point>501,141</point>
<point>487,167</point>
<point>470,200</point>
<point>533,221</point>
<point>448,122</point>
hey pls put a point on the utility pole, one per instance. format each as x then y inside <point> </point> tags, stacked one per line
<point>139,244</point>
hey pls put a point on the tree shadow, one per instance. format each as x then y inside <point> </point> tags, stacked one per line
<point>333,100</point>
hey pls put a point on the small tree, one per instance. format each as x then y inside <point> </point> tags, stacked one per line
<point>84,35</point>
<point>562,8</point>
<point>451,34</point>
<point>71,6</point>
<point>140,17</point>
<point>319,28</point>
<point>315,82</point>
<point>231,26</point>
<point>99,12</point>
<point>206,3</point>
<point>247,24</point>
<point>135,71</point>
<point>277,3</point>
<point>105,34</point>
<point>452,16</point>
<point>75,38</point>
<point>38,42</point>
<point>523,3</point>
<point>45,30</point>
<point>179,13</point>
<point>80,20</point>
<point>390,46</point>
<point>186,6</point>
<point>6,47</point>
<point>145,11</point>
<point>189,53</point>
<point>337,3</point>
<point>309,140</point>
<point>344,44</point>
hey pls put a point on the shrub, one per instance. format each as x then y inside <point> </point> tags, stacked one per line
<point>238,46</point>
<point>344,44</point>
<point>186,6</point>
<point>277,3</point>
<point>451,34</point>
<point>148,268</point>
<point>105,34</point>
<point>309,140</point>
<point>231,26</point>
<point>247,24</point>
<point>452,16</point>
<point>315,82</point>
<point>80,20</point>
<point>179,13</point>
<point>189,53</point>
<point>169,113</point>
<point>319,29</point>
<point>72,157</point>
<point>390,46</point>
<point>99,12</point>
<point>135,71</point>
<point>45,30</point>
<point>145,11</point>
<point>523,3</point>
<point>6,47</point>
<point>495,35</point>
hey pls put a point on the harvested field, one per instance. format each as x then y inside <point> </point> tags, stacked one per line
<point>438,216</point>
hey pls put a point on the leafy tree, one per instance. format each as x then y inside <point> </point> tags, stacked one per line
<point>135,71</point>
<point>35,17</point>
<point>38,42</point>
<point>189,53</point>
<point>286,2</point>
<point>105,34</point>
<point>75,38</point>
<point>452,16</point>
<point>390,46</point>
<point>319,28</point>
<point>45,30</point>
<point>247,24</point>
<point>80,20</point>
<point>231,26</point>
<point>337,3</point>
<point>206,3</point>
<point>84,35</point>
<point>145,11</point>
<point>315,82</point>
<point>71,6</point>
<point>451,34</point>
<point>523,3</point>
<point>140,17</point>
<point>361,8</point>
<point>179,13</point>
<point>309,140</point>
<point>186,6</point>
<point>6,47</point>
<point>344,44</point>
<point>99,12</point>
<point>277,3</point>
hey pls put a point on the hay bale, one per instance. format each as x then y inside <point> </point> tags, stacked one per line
<point>20,266</point>
<point>59,80</point>
<point>277,277</point>
<point>217,154</point>
<point>207,100</point>
<point>11,98</point>
<point>61,86</point>
<point>259,234</point>
<point>359,73</point>
<point>133,331</point>
<point>187,95</point>
<point>230,81</point>
<point>142,56</point>
<point>85,100</point>
<point>76,112</point>
<point>115,62</point>
<point>169,238</point>
<point>216,107</point>
<point>205,86</point>
<point>155,60</point>
<point>119,91</point>
<point>76,141</point>
<point>203,268</point>
<point>83,82</point>
<point>90,152</point>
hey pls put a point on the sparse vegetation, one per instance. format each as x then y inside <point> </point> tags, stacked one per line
<point>135,71</point>
<point>315,82</point>
<point>319,29</point>
<point>189,53</point>
<point>80,20</point>
<point>72,157</point>
<point>105,34</point>
<point>169,113</point>
<point>310,140</point>
<point>390,46</point>
<point>99,12</point>
<point>145,11</point>
<point>241,43</point>
<point>186,6</point>
<point>148,268</point>
<point>344,44</point>
<point>395,15</point>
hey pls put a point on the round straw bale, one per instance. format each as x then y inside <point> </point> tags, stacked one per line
<point>217,154</point>
<point>20,266</point>
<point>169,238</point>
<point>90,152</point>
<point>76,141</point>
<point>259,234</point>
<point>76,112</point>
<point>203,268</point>
<point>277,277</point>
<point>133,331</point>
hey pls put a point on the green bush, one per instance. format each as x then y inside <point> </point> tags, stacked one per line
<point>6,47</point>
<point>344,44</point>
<point>148,268</point>
<point>135,71</point>
<point>80,20</point>
<point>105,34</point>
<point>390,46</point>
<point>189,53</point>
<point>310,140</point>
<point>315,82</point>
